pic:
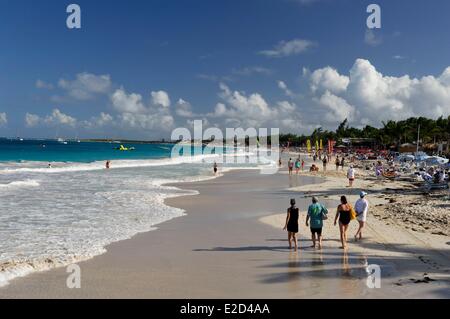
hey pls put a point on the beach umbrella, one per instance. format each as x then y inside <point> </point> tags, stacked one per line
<point>436,160</point>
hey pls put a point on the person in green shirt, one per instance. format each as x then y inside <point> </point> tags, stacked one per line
<point>317,213</point>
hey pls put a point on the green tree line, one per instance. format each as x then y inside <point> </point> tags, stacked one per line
<point>392,133</point>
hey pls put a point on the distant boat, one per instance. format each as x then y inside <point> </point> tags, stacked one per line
<point>62,141</point>
<point>125,149</point>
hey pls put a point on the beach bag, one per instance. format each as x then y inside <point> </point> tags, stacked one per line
<point>324,213</point>
<point>352,213</point>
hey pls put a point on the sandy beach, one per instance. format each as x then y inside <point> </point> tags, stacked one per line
<point>230,244</point>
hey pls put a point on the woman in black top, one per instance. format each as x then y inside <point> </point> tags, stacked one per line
<point>292,224</point>
<point>344,215</point>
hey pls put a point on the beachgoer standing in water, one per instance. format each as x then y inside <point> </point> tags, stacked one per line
<point>325,161</point>
<point>344,215</point>
<point>215,168</point>
<point>108,164</point>
<point>290,166</point>
<point>317,213</point>
<point>351,176</point>
<point>297,165</point>
<point>303,165</point>
<point>292,224</point>
<point>361,208</point>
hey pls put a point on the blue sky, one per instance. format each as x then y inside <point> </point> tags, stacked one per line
<point>98,81</point>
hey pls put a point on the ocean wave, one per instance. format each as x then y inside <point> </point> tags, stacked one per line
<point>25,183</point>
<point>108,208</point>
<point>59,167</point>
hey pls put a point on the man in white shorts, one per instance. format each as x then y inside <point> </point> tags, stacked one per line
<point>361,208</point>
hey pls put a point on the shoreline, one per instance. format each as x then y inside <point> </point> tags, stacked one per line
<point>220,248</point>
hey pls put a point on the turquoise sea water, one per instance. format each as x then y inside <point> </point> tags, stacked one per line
<point>15,150</point>
<point>60,215</point>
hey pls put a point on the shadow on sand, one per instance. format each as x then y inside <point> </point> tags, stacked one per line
<point>331,263</point>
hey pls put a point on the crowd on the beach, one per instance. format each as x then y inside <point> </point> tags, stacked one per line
<point>387,167</point>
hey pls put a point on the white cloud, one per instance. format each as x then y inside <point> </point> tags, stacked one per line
<point>162,122</point>
<point>3,119</point>
<point>56,118</point>
<point>282,86</point>
<point>128,103</point>
<point>288,48</point>
<point>371,38</point>
<point>183,108</point>
<point>102,120</point>
<point>44,85</point>
<point>328,79</point>
<point>32,120</point>
<point>398,57</point>
<point>59,118</point>
<point>135,115</point>
<point>366,96</point>
<point>86,85</point>
<point>337,108</point>
<point>239,109</point>
<point>161,98</point>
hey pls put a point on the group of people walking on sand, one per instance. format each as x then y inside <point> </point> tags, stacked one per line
<point>316,215</point>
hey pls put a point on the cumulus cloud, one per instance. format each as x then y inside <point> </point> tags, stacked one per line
<point>366,96</point>
<point>102,120</point>
<point>283,86</point>
<point>325,98</point>
<point>338,109</point>
<point>59,118</point>
<point>127,103</point>
<point>86,85</point>
<point>328,79</point>
<point>239,109</point>
<point>135,114</point>
<point>161,98</point>
<point>56,118</point>
<point>3,119</point>
<point>184,109</point>
<point>288,48</point>
<point>32,120</point>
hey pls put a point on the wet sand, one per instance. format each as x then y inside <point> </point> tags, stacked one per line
<point>230,244</point>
